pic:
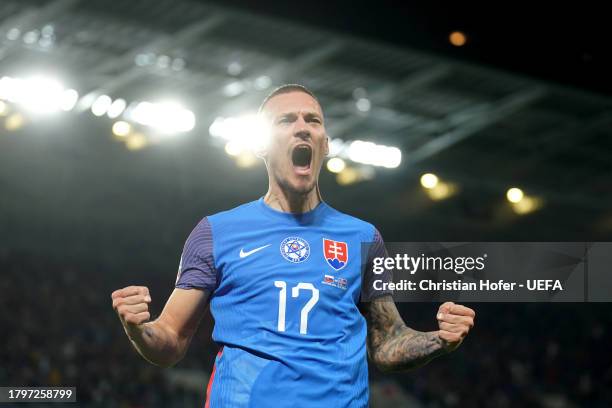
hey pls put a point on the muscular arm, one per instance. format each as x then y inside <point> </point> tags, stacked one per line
<point>165,340</point>
<point>391,344</point>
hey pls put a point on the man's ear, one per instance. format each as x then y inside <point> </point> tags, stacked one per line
<point>326,145</point>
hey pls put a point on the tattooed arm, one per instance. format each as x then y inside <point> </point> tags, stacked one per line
<point>393,346</point>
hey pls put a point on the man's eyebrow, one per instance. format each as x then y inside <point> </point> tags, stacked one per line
<point>309,114</point>
<point>281,114</point>
<point>314,114</point>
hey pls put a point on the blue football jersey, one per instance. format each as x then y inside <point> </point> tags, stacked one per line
<point>285,290</point>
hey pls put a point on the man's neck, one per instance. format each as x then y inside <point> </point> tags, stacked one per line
<point>290,202</point>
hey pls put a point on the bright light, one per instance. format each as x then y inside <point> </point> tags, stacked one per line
<point>14,121</point>
<point>136,141</point>
<point>163,61</point>
<point>457,38</point>
<point>262,82</point>
<point>167,117</point>
<point>363,104</point>
<point>347,176</point>
<point>233,148</point>
<point>3,108</point>
<point>234,68</point>
<point>41,95</point>
<point>250,132</point>
<point>429,180</point>
<point>375,155</point>
<point>116,108</point>
<point>527,205</point>
<point>121,128</point>
<point>246,159</point>
<point>69,99</point>
<point>514,195</point>
<point>13,34</point>
<point>37,94</point>
<point>441,191</point>
<point>9,88</point>
<point>359,93</point>
<point>234,88</point>
<point>31,37</point>
<point>178,64</point>
<point>335,165</point>
<point>336,146</point>
<point>101,105</point>
<point>144,59</point>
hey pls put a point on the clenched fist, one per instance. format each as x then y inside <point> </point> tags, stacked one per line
<point>132,305</point>
<point>454,321</point>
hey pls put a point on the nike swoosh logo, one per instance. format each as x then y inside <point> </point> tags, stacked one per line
<point>252,251</point>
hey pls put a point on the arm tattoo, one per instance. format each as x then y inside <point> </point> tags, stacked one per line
<point>391,344</point>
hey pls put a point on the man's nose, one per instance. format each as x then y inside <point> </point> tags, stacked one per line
<point>301,130</point>
<point>303,134</point>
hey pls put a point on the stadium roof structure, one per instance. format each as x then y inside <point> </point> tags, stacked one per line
<point>484,129</point>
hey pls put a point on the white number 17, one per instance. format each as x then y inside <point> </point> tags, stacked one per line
<point>295,292</point>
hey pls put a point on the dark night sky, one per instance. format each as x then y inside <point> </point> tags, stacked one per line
<point>566,44</point>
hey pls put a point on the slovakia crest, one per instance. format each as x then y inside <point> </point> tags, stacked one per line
<point>295,249</point>
<point>335,253</point>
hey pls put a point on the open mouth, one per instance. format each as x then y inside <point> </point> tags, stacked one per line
<point>301,158</point>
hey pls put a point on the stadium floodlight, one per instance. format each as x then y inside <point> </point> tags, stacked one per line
<point>337,147</point>
<point>136,141</point>
<point>121,128</point>
<point>14,121</point>
<point>234,68</point>
<point>69,99</point>
<point>262,82</point>
<point>13,34</point>
<point>233,89</point>
<point>116,108</point>
<point>442,190</point>
<point>527,204</point>
<point>336,165</point>
<point>166,117</point>
<point>38,94</point>
<point>363,104</point>
<point>514,195</point>
<point>41,95</point>
<point>457,38</point>
<point>429,180</point>
<point>246,132</point>
<point>101,105</point>
<point>233,148</point>
<point>8,88</point>
<point>347,176</point>
<point>373,154</point>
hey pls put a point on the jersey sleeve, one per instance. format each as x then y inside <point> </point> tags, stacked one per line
<point>197,266</point>
<point>376,249</point>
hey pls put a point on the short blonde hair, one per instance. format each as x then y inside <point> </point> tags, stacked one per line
<point>286,89</point>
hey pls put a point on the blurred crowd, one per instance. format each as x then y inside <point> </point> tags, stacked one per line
<point>57,328</point>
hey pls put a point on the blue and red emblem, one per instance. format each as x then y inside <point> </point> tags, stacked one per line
<point>335,253</point>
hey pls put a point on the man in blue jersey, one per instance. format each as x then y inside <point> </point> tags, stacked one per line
<point>283,276</point>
